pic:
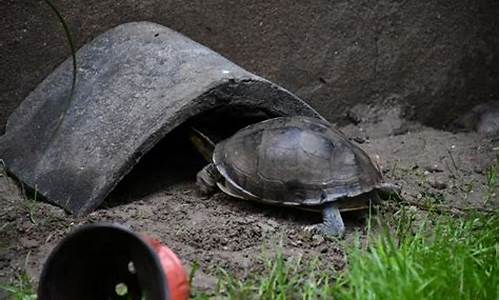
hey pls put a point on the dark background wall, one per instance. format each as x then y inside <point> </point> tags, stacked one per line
<point>436,58</point>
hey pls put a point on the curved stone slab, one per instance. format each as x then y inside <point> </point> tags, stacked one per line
<point>135,84</point>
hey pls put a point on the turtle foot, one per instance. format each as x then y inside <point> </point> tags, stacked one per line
<point>206,181</point>
<point>204,190</point>
<point>325,230</point>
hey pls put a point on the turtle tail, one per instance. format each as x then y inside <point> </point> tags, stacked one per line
<point>202,143</point>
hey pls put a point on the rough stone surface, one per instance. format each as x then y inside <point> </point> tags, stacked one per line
<point>135,84</point>
<point>430,56</point>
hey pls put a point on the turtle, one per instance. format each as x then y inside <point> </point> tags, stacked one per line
<point>296,161</point>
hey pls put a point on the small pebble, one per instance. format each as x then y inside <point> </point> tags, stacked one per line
<point>359,140</point>
<point>434,168</point>
<point>413,209</point>
<point>265,228</point>
<point>438,184</point>
<point>28,243</point>
<point>353,117</point>
<point>318,239</point>
<point>478,170</point>
<point>400,131</point>
<point>272,223</point>
<point>11,216</point>
<point>296,243</point>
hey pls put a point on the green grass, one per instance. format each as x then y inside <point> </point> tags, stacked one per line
<point>445,258</point>
<point>456,259</point>
<point>21,288</point>
<point>492,182</point>
<point>492,175</point>
<point>442,258</point>
<point>287,279</point>
<point>283,279</point>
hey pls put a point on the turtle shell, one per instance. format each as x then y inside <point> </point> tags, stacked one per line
<point>294,161</point>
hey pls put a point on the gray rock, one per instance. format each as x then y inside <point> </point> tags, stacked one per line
<point>438,184</point>
<point>433,168</point>
<point>135,84</point>
<point>488,123</point>
<point>482,118</point>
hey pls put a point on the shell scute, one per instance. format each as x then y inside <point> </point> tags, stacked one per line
<point>297,160</point>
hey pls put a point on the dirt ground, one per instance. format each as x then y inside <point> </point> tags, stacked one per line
<point>159,199</point>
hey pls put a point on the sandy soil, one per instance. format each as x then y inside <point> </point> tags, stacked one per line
<point>159,199</point>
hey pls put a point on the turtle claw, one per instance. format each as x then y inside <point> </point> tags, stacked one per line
<point>311,228</point>
<point>324,230</point>
<point>330,231</point>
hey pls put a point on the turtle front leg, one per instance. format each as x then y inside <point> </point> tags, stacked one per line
<point>206,180</point>
<point>332,225</point>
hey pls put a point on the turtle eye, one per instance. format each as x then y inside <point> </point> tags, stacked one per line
<point>323,195</point>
